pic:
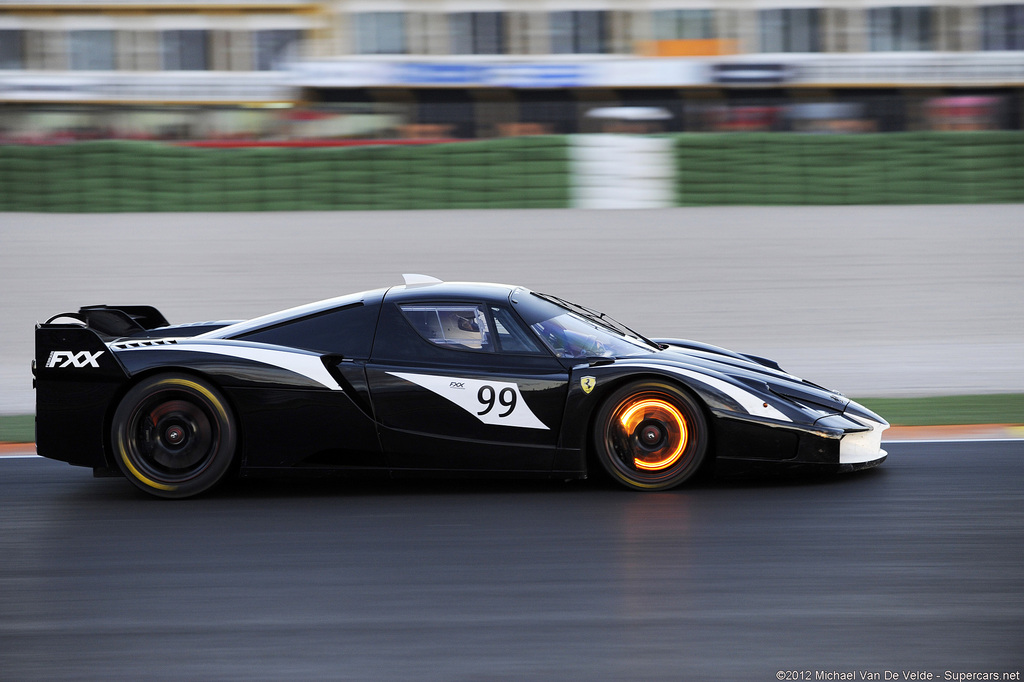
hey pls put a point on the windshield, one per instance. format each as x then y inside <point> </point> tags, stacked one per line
<point>569,335</point>
<point>594,316</point>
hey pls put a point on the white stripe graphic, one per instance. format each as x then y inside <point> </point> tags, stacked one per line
<point>748,401</point>
<point>309,366</point>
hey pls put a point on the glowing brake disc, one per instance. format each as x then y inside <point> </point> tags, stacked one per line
<point>657,433</point>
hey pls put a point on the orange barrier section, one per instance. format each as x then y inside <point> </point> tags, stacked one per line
<point>967,432</point>
<point>12,449</point>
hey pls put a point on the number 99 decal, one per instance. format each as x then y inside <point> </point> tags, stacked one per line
<point>507,398</point>
<point>493,402</point>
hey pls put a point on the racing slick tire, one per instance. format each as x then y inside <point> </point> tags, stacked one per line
<point>650,435</point>
<point>173,435</point>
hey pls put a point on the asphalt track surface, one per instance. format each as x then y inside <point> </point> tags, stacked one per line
<point>913,566</point>
<point>869,300</point>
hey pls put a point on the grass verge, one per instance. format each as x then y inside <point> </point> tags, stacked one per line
<point>1006,408</point>
<point>20,428</point>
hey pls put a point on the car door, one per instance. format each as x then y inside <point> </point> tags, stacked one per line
<point>289,426</point>
<point>464,385</point>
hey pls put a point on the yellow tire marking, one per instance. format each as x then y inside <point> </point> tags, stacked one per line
<point>199,388</point>
<point>136,473</point>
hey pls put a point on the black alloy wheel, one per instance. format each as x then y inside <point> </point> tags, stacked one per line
<point>173,436</point>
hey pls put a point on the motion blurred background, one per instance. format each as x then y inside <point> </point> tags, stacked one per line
<point>359,69</point>
<point>922,104</point>
<point>835,184</point>
<point>384,109</point>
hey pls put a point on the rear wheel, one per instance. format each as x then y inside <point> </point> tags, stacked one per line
<point>173,436</point>
<point>650,436</point>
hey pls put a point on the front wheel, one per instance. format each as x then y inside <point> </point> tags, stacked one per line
<point>650,435</point>
<point>173,436</point>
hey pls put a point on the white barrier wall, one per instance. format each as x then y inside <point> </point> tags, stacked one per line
<point>621,171</point>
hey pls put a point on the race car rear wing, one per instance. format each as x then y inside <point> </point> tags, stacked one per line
<point>116,321</point>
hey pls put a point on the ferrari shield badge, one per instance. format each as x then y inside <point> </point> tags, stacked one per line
<point>588,383</point>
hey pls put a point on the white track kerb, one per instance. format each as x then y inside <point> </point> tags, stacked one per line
<point>622,171</point>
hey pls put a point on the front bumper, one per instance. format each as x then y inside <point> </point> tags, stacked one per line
<point>863,447</point>
<point>834,444</point>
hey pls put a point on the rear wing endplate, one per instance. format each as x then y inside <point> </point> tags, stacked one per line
<point>115,322</point>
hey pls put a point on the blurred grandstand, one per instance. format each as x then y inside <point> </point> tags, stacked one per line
<point>430,69</point>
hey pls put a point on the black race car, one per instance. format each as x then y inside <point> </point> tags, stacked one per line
<point>428,377</point>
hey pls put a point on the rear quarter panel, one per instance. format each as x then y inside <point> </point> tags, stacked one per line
<point>77,380</point>
<point>285,418</point>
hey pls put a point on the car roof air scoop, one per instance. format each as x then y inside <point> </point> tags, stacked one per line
<point>412,280</point>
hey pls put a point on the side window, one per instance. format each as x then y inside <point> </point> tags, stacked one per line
<point>512,336</point>
<point>348,331</point>
<point>458,326</point>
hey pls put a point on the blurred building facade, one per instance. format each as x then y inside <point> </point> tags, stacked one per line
<point>341,69</point>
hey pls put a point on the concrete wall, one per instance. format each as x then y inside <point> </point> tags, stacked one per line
<point>871,300</point>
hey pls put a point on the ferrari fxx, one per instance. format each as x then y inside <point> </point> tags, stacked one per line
<point>424,378</point>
